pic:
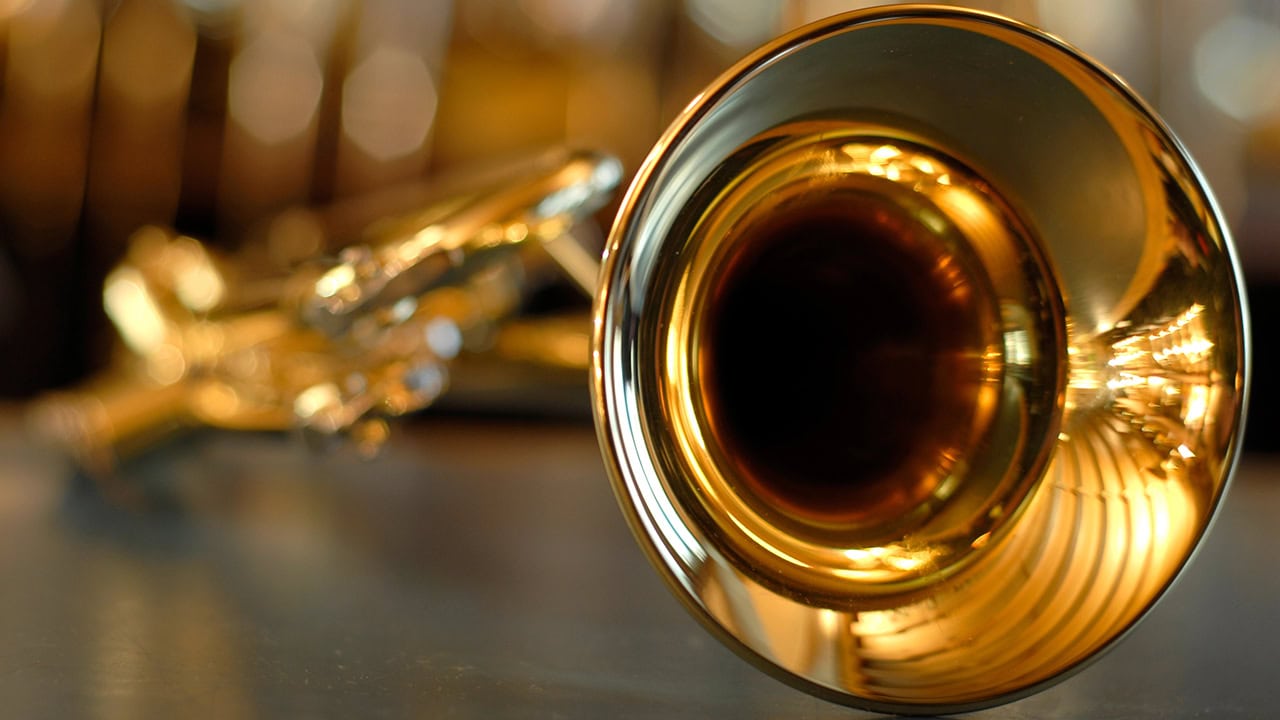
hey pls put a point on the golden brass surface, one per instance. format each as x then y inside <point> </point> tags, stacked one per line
<point>920,359</point>
<point>919,355</point>
<point>807,468</point>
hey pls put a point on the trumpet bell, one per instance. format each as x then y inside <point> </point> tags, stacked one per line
<point>919,359</point>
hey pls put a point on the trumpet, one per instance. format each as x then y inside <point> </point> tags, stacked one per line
<point>918,357</point>
<point>333,347</point>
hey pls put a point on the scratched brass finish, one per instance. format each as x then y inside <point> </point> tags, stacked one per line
<point>920,359</point>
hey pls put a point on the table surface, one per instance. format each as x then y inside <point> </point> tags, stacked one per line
<point>478,568</point>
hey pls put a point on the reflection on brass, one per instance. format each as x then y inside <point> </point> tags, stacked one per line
<point>919,355</point>
<point>894,263</point>
<point>920,359</point>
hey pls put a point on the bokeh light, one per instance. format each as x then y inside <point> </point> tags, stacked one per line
<point>389,101</point>
<point>274,87</point>
<point>1237,66</point>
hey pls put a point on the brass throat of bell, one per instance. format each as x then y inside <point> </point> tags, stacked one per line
<point>835,357</point>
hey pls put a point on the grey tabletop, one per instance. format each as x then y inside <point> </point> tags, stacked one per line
<point>478,568</point>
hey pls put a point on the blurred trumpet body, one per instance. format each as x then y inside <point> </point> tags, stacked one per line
<point>919,357</point>
<point>330,346</point>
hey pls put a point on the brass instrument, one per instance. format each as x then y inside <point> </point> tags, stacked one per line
<point>919,357</point>
<point>333,347</point>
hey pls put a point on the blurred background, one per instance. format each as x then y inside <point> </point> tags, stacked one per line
<point>211,115</point>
